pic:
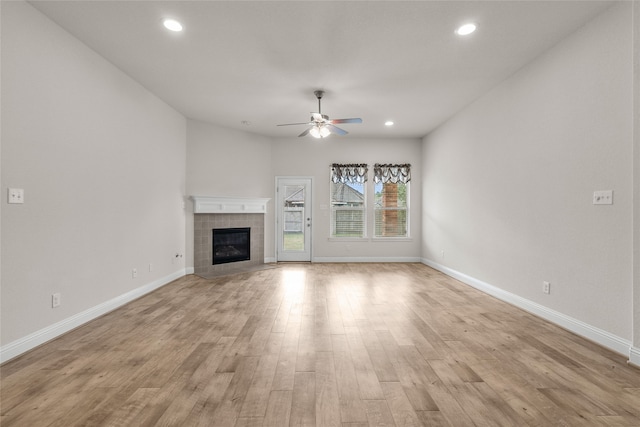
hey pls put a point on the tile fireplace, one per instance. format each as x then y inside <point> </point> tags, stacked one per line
<point>211,215</point>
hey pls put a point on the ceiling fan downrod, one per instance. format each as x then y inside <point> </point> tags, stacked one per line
<point>319,94</point>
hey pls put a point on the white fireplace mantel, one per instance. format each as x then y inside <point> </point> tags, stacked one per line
<point>204,204</point>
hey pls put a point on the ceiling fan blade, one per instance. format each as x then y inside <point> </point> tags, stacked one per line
<point>305,133</point>
<point>292,124</point>
<point>353,120</point>
<point>336,130</point>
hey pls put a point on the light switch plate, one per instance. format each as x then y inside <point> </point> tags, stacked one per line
<point>604,197</point>
<point>15,195</point>
<point>56,300</point>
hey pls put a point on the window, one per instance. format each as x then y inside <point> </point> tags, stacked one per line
<point>349,196</point>
<point>391,200</point>
<point>348,201</point>
<point>293,208</point>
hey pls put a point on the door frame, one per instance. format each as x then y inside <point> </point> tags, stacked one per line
<point>309,212</point>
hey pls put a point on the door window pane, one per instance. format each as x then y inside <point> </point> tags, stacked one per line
<point>294,227</point>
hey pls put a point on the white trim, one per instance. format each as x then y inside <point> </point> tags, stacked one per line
<point>634,356</point>
<point>269,260</point>
<point>212,205</point>
<point>348,239</point>
<point>604,338</point>
<point>366,259</point>
<point>392,239</point>
<point>24,344</point>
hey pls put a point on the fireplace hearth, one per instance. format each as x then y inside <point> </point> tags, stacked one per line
<point>231,245</point>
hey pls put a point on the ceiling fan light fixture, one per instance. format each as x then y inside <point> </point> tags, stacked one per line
<point>319,131</point>
<point>315,132</point>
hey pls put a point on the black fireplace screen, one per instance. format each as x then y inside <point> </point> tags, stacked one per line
<point>231,245</point>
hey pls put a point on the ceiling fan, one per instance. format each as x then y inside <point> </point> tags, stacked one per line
<point>320,126</point>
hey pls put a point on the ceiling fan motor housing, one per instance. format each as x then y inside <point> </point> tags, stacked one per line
<point>324,118</point>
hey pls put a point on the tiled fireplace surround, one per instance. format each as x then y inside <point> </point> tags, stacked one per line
<point>210,213</point>
<point>203,241</point>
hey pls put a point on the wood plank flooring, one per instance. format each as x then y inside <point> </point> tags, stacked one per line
<point>320,345</point>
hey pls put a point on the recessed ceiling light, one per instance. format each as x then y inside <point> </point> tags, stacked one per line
<point>172,25</point>
<point>388,123</point>
<point>466,29</point>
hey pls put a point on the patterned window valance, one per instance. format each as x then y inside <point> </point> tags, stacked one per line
<point>391,173</point>
<point>349,173</point>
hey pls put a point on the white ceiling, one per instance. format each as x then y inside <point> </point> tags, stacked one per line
<point>261,61</point>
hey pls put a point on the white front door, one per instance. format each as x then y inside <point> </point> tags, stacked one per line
<point>293,231</point>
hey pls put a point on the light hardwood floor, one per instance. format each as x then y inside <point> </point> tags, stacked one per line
<point>320,345</point>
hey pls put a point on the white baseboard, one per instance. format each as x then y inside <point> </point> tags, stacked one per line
<point>634,356</point>
<point>269,260</point>
<point>366,259</point>
<point>604,338</point>
<point>22,345</point>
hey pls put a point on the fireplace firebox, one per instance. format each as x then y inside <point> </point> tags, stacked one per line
<point>231,245</point>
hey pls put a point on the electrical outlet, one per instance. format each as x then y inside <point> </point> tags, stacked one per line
<point>15,195</point>
<point>56,300</point>
<point>134,273</point>
<point>150,267</point>
<point>604,197</point>
<point>442,254</point>
<point>546,287</point>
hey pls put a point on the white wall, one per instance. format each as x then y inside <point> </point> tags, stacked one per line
<point>102,163</point>
<point>508,181</point>
<point>227,162</point>
<point>309,157</point>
